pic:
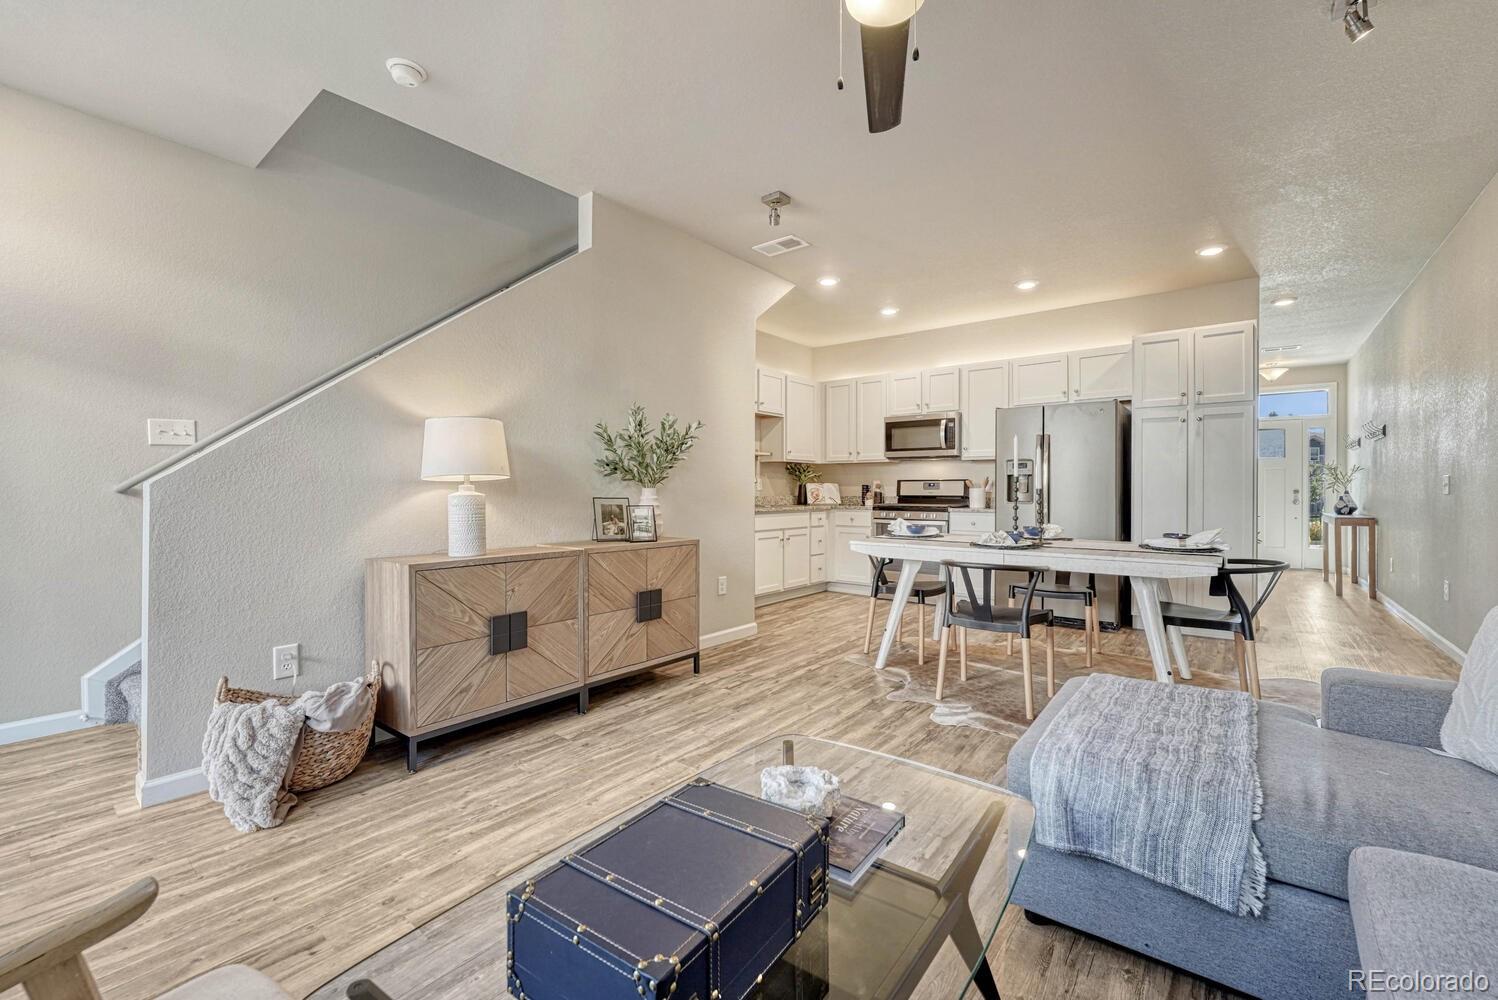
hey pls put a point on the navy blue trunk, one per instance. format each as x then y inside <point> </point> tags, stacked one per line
<point>693,899</point>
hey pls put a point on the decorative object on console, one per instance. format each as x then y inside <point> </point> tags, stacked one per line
<point>462,450</point>
<point>1340,481</point>
<point>610,519</point>
<point>642,526</point>
<point>644,455</point>
<point>812,791</point>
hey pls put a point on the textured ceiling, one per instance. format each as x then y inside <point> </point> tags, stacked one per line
<point>1091,146</point>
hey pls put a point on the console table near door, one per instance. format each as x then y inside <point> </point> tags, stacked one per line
<point>1336,522</point>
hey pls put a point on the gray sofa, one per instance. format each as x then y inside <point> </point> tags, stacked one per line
<point>1362,778</point>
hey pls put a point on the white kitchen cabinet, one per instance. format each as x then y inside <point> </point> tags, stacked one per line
<point>868,436</point>
<point>818,569</point>
<point>840,410</point>
<point>1045,378</point>
<point>985,388</point>
<point>801,431</point>
<point>1162,369</point>
<point>848,566</point>
<point>796,563</point>
<point>971,522</point>
<point>1102,373</point>
<point>1222,473</point>
<point>769,392</point>
<point>1161,473</point>
<point>903,394</point>
<point>769,561</point>
<point>941,390</point>
<point>1223,369</point>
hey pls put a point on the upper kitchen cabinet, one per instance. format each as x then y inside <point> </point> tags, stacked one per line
<point>868,419</point>
<point>840,406</point>
<point>985,388</point>
<point>935,390</point>
<point>801,425</point>
<point>1162,369</point>
<point>1223,368</point>
<point>1042,379</point>
<point>769,392</point>
<point>1102,373</point>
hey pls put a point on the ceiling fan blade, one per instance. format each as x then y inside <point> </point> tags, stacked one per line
<point>884,52</point>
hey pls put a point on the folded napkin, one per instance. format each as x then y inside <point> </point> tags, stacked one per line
<point>1210,537</point>
<point>1004,539</point>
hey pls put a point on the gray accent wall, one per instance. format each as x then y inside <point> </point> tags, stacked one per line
<point>1429,371</point>
<point>262,541</point>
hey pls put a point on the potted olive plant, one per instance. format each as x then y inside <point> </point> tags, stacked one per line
<point>1340,481</point>
<point>645,455</point>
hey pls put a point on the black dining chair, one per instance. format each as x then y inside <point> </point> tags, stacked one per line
<point>977,611</point>
<point>1062,589</point>
<point>883,589</point>
<point>1237,618</point>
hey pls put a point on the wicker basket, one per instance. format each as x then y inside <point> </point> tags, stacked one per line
<point>322,758</point>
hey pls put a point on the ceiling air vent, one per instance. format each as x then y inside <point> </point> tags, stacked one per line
<point>785,244</point>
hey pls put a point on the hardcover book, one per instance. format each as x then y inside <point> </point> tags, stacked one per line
<point>859,833</point>
<point>697,896</point>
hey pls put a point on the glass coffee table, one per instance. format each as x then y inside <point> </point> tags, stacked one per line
<point>945,878</point>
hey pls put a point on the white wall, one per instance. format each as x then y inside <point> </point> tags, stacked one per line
<point>261,541</point>
<point>139,278</point>
<point>771,351</point>
<point>1429,371</point>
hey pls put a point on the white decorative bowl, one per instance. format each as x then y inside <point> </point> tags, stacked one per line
<point>808,790</point>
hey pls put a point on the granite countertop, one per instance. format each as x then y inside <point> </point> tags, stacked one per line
<point>781,505</point>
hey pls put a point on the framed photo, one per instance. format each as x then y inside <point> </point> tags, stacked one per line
<point>610,519</point>
<point>641,523</point>
<point>817,493</point>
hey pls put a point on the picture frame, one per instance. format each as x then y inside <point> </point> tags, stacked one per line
<point>823,493</point>
<point>611,519</point>
<point>641,523</point>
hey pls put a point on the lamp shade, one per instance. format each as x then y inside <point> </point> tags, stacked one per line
<point>455,447</point>
<point>883,13</point>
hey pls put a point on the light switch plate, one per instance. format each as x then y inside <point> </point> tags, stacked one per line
<point>1446,484</point>
<point>171,431</point>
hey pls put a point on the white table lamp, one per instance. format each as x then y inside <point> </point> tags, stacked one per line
<point>464,450</point>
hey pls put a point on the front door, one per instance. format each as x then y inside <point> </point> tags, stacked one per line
<point>1282,487</point>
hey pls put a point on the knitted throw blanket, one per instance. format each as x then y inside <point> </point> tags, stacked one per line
<point>1160,779</point>
<point>247,751</point>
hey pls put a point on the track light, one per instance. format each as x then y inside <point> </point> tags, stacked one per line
<point>1355,22</point>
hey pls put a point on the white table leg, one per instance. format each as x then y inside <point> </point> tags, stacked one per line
<point>1176,636</point>
<point>909,569</point>
<point>1147,595</point>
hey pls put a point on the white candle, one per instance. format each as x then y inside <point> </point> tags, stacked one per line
<point>1016,454</point>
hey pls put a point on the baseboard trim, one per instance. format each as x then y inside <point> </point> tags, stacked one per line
<point>155,791</point>
<point>44,725</point>
<point>91,686</point>
<point>1435,638</point>
<point>728,635</point>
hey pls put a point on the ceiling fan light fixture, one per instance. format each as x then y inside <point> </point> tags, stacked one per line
<point>882,13</point>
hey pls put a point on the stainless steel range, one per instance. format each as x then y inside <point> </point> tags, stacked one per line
<point>923,500</point>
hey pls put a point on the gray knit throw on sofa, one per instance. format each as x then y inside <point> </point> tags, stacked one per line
<point>1161,779</point>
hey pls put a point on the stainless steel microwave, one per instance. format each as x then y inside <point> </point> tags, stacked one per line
<point>923,435</point>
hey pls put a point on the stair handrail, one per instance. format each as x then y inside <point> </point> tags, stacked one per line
<point>290,399</point>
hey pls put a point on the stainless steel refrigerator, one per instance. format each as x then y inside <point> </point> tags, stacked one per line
<point>1080,456</point>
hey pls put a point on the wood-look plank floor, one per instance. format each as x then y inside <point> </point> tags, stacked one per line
<point>361,864</point>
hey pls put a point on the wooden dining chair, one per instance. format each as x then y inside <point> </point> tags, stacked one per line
<point>883,589</point>
<point>1062,589</point>
<point>1239,618</point>
<point>977,611</point>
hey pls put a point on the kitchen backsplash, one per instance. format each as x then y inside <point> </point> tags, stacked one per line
<point>852,477</point>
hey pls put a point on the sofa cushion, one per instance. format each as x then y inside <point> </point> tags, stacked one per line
<point>1326,793</point>
<point>1470,729</point>
<point>1414,913</point>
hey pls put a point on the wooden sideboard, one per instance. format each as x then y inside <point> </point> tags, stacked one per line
<point>461,641</point>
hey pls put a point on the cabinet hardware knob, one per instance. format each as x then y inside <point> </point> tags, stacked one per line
<point>1183,420</point>
<point>1198,419</point>
<point>1183,393</point>
<point>1198,392</point>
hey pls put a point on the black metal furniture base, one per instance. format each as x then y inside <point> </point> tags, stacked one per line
<point>413,743</point>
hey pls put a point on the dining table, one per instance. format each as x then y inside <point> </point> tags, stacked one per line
<point>1149,573</point>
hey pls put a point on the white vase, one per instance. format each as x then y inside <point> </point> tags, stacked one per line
<point>648,499</point>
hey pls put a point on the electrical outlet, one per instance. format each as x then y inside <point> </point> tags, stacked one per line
<point>1445,590</point>
<point>286,662</point>
<point>1446,484</point>
<point>722,585</point>
<point>162,431</point>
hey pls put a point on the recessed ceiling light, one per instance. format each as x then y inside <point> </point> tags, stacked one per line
<point>1028,285</point>
<point>1284,301</point>
<point>889,310</point>
<point>1210,250</point>
<point>828,280</point>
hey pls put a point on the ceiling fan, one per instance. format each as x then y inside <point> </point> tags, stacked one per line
<point>884,31</point>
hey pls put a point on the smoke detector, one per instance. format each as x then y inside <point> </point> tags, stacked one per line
<point>405,72</point>
<point>785,244</point>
